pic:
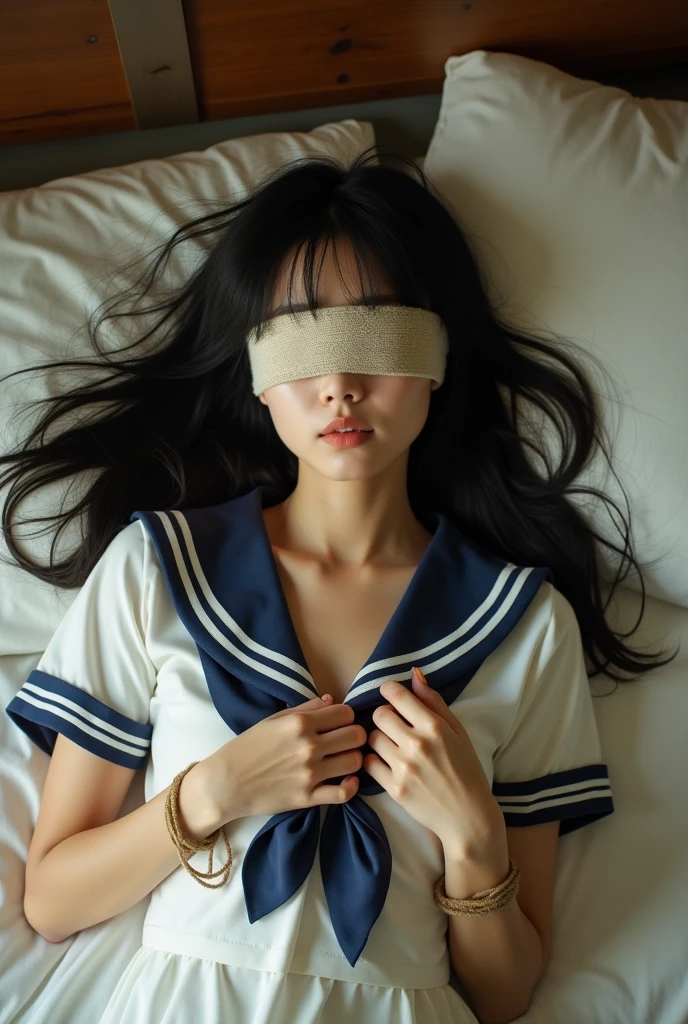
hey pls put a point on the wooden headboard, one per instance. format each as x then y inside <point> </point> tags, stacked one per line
<point>89,67</point>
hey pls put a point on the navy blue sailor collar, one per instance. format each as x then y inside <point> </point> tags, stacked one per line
<point>221,573</point>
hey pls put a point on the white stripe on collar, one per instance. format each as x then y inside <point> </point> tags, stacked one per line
<point>415,656</point>
<point>224,615</point>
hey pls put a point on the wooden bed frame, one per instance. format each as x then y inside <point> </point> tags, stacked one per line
<point>71,68</point>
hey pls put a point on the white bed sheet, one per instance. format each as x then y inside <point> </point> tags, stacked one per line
<point>620,952</point>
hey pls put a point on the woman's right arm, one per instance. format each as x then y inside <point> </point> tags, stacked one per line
<point>85,867</point>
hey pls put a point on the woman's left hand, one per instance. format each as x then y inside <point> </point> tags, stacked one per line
<point>426,762</point>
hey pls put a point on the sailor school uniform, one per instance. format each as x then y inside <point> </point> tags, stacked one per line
<point>181,638</point>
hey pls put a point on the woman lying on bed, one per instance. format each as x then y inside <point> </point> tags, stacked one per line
<point>328,591</point>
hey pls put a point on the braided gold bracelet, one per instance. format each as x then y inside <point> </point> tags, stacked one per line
<point>487,901</point>
<point>187,845</point>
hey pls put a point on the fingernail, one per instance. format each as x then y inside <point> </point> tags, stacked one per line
<point>419,675</point>
<point>326,696</point>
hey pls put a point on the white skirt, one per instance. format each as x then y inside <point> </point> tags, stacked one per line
<point>168,988</point>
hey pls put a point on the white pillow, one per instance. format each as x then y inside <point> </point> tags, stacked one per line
<point>62,247</point>
<point>575,198</point>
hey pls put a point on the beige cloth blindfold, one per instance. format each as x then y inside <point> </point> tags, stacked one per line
<point>399,340</point>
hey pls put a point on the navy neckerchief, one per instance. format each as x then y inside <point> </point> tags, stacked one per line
<point>222,576</point>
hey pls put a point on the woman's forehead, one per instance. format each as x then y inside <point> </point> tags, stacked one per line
<point>336,280</point>
<point>381,299</point>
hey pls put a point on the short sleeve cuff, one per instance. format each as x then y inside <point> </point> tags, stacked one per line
<point>575,797</point>
<point>46,705</point>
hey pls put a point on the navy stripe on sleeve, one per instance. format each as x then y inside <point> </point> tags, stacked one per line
<point>575,797</point>
<point>46,705</point>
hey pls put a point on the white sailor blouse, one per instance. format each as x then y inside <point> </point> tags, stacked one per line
<point>181,638</point>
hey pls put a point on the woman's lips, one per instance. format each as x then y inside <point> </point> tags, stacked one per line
<point>350,439</point>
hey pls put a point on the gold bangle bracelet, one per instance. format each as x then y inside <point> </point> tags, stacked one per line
<point>187,845</point>
<point>487,901</point>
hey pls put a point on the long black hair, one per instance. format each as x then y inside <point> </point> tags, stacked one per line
<point>175,425</point>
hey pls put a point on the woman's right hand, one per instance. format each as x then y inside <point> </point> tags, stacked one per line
<point>281,762</point>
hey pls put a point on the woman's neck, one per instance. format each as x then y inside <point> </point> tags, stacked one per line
<point>349,523</point>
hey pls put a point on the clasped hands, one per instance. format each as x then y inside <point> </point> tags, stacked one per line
<point>424,758</point>
<point>420,754</point>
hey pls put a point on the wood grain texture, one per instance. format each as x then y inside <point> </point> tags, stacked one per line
<point>61,73</point>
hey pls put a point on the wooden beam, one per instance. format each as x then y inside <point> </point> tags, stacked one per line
<point>151,36</point>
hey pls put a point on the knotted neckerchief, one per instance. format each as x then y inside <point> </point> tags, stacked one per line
<point>221,573</point>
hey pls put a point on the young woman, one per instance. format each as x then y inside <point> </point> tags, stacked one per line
<point>314,485</point>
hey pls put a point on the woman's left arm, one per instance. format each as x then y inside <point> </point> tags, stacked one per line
<point>425,760</point>
<point>501,957</point>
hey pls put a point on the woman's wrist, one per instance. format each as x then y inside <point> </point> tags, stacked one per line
<point>468,871</point>
<point>199,816</point>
